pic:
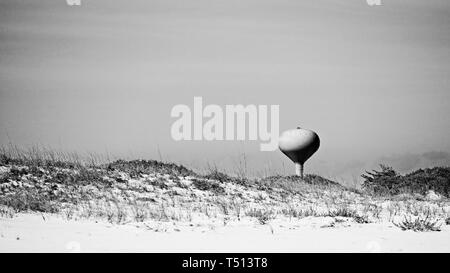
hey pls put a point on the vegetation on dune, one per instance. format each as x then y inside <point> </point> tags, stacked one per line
<point>388,182</point>
<point>139,190</point>
<point>207,185</point>
<point>419,223</point>
<point>136,168</point>
<point>349,213</point>
<point>309,179</point>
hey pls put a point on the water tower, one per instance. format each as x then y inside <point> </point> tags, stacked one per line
<point>299,145</point>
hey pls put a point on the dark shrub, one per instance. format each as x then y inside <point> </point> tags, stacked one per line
<point>208,185</point>
<point>29,201</point>
<point>219,176</point>
<point>389,182</point>
<point>421,223</point>
<point>222,177</point>
<point>386,181</point>
<point>137,167</point>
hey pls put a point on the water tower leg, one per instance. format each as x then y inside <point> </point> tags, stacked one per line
<point>299,169</point>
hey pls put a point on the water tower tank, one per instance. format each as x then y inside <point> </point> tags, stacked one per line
<point>299,145</point>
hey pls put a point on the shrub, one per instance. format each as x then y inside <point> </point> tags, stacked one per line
<point>263,216</point>
<point>388,182</point>
<point>349,213</point>
<point>420,223</point>
<point>423,180</point>
<point>29,201</point>
<point>385,181</point>
<point>137,167</point>
<point>219,176</point>
<point>342,212</point>
<point>208,185</point>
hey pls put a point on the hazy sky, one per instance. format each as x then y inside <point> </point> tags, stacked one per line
<point>373,82</point>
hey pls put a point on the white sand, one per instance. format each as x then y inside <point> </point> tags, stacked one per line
<point>31,233</point>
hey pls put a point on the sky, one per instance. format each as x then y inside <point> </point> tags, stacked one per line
<point>372,81</point>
